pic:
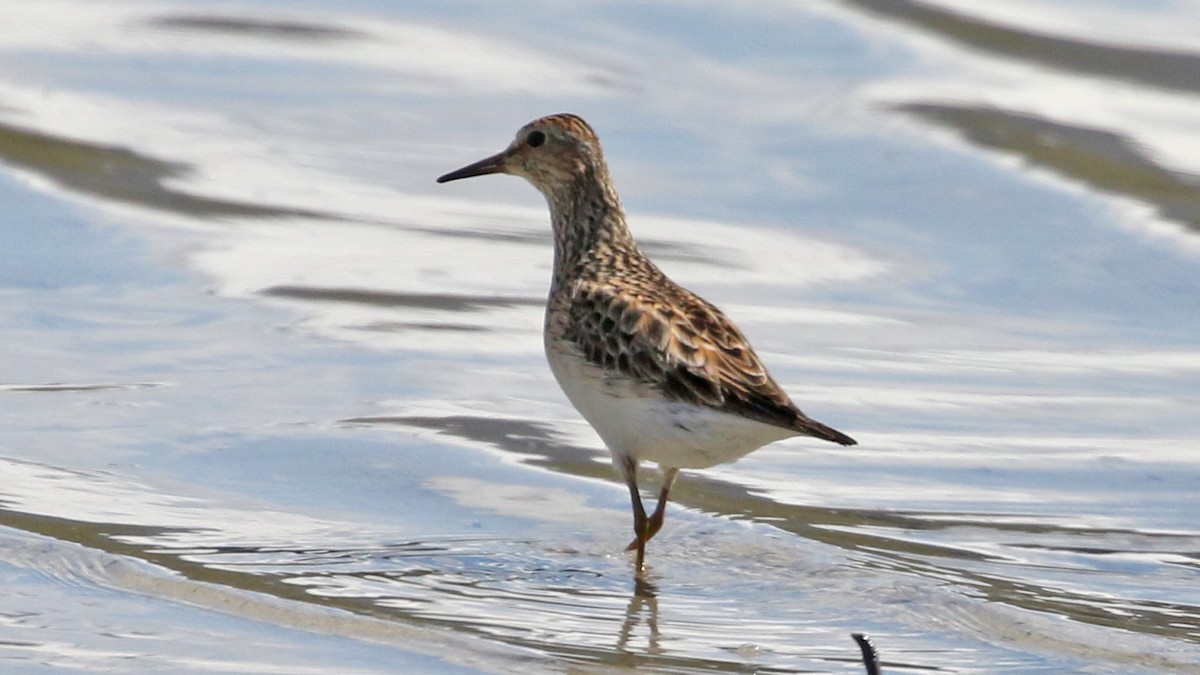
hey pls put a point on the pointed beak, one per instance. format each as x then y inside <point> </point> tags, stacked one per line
<point>493,164</point>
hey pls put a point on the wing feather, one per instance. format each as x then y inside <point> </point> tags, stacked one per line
<point>666,337</point>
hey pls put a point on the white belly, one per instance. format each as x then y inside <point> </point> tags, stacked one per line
<point>636,421</point>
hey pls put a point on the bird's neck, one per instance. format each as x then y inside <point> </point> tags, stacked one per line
<point>589,225</point>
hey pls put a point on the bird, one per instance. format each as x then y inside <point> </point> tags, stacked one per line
<point>661,374</point>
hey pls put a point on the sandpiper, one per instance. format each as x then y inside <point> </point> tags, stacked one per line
<point>661,374</point>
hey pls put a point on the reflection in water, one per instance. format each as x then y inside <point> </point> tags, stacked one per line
<point>121,175</point>
<point>1104,160</point>
<point>574,606</point>
<point>492,588</point>
<point>893,540</point>
<point>439,301</point>
<point>560,604</point>
<point>642,608</point>
<point>51,387</point>
<point>1169,69</point>
<point>1037,583</point>
<point>240,26</point>
<point>657,249</point>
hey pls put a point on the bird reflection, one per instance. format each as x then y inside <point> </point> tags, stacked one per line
<point>642,604</point>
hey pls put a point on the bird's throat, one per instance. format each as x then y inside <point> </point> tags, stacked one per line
<point>589,225</point>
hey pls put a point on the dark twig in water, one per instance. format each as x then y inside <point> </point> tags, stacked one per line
<point>869,655</point>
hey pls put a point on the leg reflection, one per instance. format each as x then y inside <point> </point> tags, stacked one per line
<point>643,604</point>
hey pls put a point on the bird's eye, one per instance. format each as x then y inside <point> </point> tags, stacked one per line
<point>535,138</point>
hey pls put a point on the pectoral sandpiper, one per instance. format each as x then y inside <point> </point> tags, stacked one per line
<point>661,374</point>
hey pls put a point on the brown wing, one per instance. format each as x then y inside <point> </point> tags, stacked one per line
<point>685,347</point>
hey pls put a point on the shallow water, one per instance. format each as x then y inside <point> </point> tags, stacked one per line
<point>273,401</point>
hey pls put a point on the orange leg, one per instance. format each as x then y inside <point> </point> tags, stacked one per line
<point>644,528</point>
<point>640,521</point>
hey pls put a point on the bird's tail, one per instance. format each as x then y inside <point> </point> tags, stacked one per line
<point>811,427</point>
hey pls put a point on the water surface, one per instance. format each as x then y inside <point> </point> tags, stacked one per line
<point>273,401</point>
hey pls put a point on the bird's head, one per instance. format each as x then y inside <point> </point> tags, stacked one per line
<point>550,152</point>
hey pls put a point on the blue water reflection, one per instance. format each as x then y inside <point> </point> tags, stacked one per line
<point>258,363</point>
